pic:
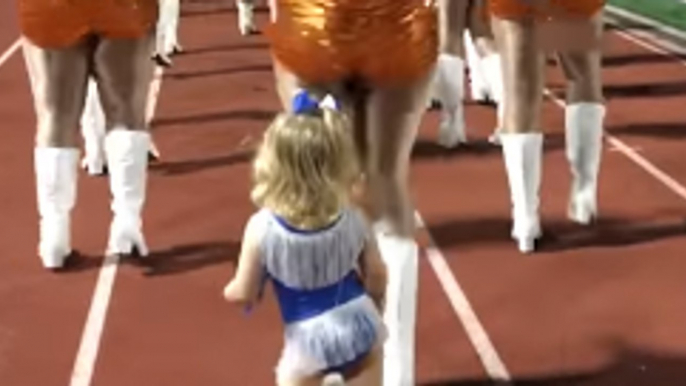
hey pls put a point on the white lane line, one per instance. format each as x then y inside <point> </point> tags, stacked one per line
<point>84,366</point>
<point>654,47</point>
<point>646,165</point>
<point>154,94</point>
<point>491,361</point>
<point>82,374</point>
<point>10,51</point>
<point>667,47</point>
<point>615,149</point>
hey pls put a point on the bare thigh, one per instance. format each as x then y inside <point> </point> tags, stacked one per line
<point>583,68</point>
<point>287,84</point>
<point>59,78</point>
<point>523,77</point>
<point>453,17</point>
<point>393,115</point>
<point>124,73</point>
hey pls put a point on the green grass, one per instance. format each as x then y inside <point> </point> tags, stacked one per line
<point>669,12</point>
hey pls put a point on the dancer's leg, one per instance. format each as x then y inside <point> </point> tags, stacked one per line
<point>93,131</point>
<point>246,16</point>
<point>166,40</point>
<point>173,45</point>
<point>125,74</point>
<point>478,84</point>
<point>584,116</point>
<point>479,46</point>
<point>450,72</point>
<point>521,138</point>
<point>58,81</point>
<point>489,65</point>
<point>393,115</point>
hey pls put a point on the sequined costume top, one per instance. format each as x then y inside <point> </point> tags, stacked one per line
<point>377,41</point>
<point>544,9</point>
<point>61,23</point>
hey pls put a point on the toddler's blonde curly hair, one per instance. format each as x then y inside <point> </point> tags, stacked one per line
<point>305,167</point>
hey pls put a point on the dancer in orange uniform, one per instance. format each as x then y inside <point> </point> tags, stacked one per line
<point>376,57</point>
<point>525,30</point>
<point>65,42</point>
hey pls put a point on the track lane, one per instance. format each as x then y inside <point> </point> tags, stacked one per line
<point>185,145</point>
<point>41,314</point>
<point>586,306</point>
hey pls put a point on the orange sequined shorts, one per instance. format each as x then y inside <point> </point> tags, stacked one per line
<point>61,23</point>
<point>379,42</point>
<point>544,9</point>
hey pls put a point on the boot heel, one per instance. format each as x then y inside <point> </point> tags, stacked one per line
<point>581,210</point>
<point>527,244</point>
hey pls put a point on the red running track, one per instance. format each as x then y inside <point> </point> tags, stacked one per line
<point>599,306</point>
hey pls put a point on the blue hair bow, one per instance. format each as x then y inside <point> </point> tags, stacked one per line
<point>304,103</point>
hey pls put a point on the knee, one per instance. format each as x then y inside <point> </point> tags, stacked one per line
<point>453,46</point>
<point>52,134</point>
<point>584,91</point>
<point>522,115</point>
<point>388,170</point>
<point>133,121</point>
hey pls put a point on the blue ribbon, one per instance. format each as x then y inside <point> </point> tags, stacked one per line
<point>304,103</point>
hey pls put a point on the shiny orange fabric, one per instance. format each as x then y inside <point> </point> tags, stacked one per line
<point>378,41</point>
<point>544,9</point>
<point>60,23</point>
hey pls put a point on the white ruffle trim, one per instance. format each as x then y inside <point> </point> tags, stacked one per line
<point>331,339</point>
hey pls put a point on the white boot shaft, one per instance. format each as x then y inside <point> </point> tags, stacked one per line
<point>93,128</point>
<point>246,17</point>
<point>522,154</point>
<point>434,94</point>
<point>401,256</point>
<point>493,75</point>
<point>127,160</point>
<point>478,82</point>
<point>167,26</point>
<point>494,138</point>
<point>451,89</point>
<point>584,144</point>
<point>56,171</point>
